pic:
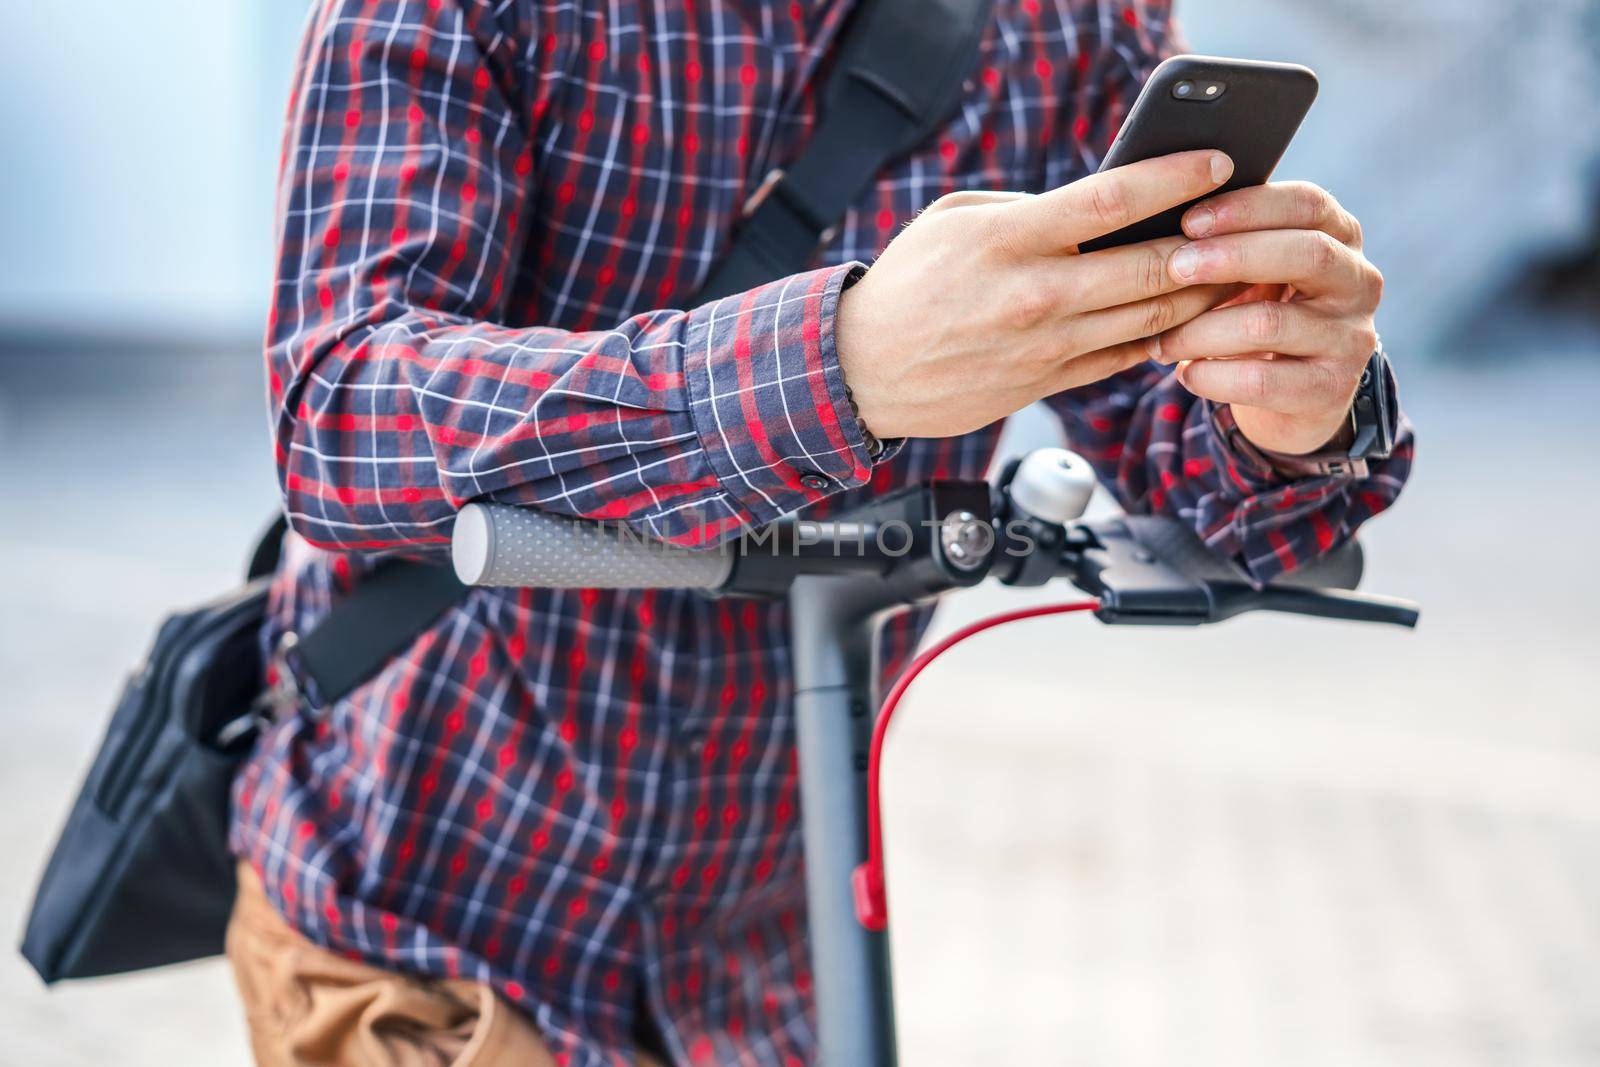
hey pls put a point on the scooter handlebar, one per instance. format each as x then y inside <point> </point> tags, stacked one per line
<point>507,546</point>
<point>1144,570</point>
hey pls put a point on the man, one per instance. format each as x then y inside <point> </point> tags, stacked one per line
<point>562,823</point>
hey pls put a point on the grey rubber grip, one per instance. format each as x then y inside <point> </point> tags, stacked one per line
<point>505,546</point>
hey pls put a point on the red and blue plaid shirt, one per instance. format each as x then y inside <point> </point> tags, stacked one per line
<point>489,215</point>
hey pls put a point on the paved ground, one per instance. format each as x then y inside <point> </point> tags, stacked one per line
<point>1274,842</point>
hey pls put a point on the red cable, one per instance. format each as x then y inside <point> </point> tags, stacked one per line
<point>867,881</point>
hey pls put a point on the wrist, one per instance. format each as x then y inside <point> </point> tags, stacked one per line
<point>850,339</point>
<point>1283,434</point>
<point>1338,439</point>
<point>875,445</point>
<point>1268,467</point>
<point>1313,460</point>
<point>853,331</point>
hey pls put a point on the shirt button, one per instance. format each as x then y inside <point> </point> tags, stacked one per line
<point>815,482</point>
<point>695,745</point>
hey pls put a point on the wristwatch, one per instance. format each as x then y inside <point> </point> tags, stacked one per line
<point>1374,422</point>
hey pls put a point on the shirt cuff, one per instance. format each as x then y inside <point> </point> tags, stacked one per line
<point>767,395</point>
<point>1275,522</point>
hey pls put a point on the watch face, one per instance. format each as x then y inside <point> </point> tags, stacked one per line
<point>1374,410</point>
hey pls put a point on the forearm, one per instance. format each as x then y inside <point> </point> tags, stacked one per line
<point>687,425</point>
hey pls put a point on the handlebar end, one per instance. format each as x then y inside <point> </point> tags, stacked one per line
<point>472,544</point>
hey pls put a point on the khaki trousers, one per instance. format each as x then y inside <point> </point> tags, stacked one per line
<point>308,1007</point>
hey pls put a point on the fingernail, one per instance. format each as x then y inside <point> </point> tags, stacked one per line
<point>1185,261</point>
<point>1221,167</point>
<point>1152,347</point>
<point>1201,221</point>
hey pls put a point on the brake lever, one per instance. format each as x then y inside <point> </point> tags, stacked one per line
<point>1327,604</point>
<point>1155,571</point>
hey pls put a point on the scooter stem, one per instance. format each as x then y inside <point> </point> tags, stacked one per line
<point>835,629</point>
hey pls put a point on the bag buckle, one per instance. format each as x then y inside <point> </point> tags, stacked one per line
<point>770,182</point>
<point>281,695</point>
<point>768,185</point>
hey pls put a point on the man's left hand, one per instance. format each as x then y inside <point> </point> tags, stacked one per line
<point>1287,352</point>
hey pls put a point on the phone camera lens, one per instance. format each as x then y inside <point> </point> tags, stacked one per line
<point>1183,90</point>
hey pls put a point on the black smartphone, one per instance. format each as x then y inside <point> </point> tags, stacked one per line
<point>1249,110</point>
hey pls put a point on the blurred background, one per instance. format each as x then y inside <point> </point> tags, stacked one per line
<point>1273,842</point>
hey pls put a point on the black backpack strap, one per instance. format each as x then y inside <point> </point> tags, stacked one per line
<point>382,615</point>
<point>898,74</point>
<point>379,619</point>
<point>269,547</point>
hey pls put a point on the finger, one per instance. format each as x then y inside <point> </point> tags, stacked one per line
<point>1310,260</point>
<point>1289,386</point>
<point>1058,221</point>
<point>1071,285</point>
<point>1279,206</point>
<point>978,198</point>
<point>1262,326</point>
<point>1143,319</point>
<point>1101,363</point>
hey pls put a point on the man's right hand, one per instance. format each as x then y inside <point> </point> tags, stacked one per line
<point>982,305</point>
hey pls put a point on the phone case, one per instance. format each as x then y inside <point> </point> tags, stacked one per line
<point>1253,120</point>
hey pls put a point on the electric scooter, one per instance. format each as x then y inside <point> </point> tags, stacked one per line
<point>844,578</point>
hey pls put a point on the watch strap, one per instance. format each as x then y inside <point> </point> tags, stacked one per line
<point>1328,463</point>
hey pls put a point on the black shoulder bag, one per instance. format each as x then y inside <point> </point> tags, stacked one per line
<point>141,875</point>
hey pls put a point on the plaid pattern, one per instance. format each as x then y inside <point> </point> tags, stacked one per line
<point>488,212</point>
